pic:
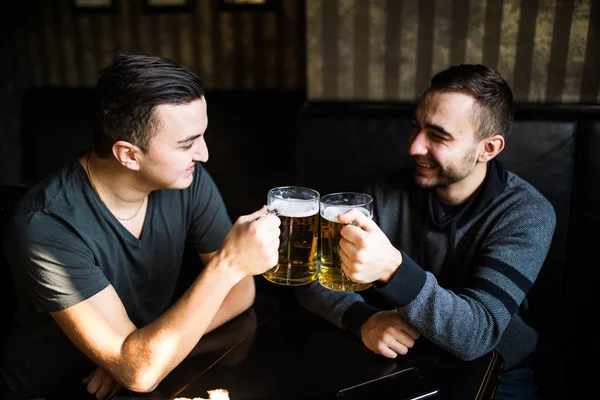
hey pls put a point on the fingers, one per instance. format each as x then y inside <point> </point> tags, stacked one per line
<point>386,351</point>
<point>357,217</point>
<point>262,217</point>
<point>255,215</point>
<point>109,389</point>
<point>269,222</point>
<point>346,249</point>
<point>391,345</point>
<point>357,234</point>
<point>104,390</point>
<point>101,385</point>
<point>388,334</point>
<point>410,331</point>
<point>114,391</point>
<point>402,329</point>
<point>400,342</point>
<point>93,382</point>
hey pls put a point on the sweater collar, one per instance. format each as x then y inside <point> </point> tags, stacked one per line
<point>493,184</point>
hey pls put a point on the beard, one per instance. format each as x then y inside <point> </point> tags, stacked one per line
<point>450,173</point>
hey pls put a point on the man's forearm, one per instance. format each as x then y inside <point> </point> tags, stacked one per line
<point>164,343</point>
<point>240,298</point>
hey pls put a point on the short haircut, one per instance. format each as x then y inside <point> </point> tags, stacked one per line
<point>127,93</point>
<point>493,112</point>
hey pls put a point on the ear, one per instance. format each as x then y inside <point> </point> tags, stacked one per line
<point>127,154</point>
<point>491,147</point>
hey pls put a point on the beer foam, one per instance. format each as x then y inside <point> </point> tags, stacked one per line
<point>295,208</point>
<point>331,213</point>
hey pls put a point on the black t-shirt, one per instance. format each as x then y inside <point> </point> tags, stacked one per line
<point>64,246</point>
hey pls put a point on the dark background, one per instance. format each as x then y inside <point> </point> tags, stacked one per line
<point>285,81</point>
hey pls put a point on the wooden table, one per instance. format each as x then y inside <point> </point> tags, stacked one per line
<point>279,351</point>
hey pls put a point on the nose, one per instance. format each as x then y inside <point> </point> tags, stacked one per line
<point>200,151</point>
<point>417,143</point>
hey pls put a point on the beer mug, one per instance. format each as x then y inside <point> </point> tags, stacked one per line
<point>298,210</point>
<point>331,274</point>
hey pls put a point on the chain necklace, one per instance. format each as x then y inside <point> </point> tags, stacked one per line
<point>87,168</point>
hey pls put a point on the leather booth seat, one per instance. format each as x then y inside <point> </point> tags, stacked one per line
<point>343,146</point>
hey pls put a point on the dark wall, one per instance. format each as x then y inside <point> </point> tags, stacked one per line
<point>50,43</point>
<point>250,138</point>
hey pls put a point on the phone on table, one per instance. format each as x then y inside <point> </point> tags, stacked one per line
<point>407,384</point>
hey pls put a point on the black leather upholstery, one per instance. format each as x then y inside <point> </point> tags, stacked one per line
<point>342,146</point>
<point>9,195</point>
<point>250,138</point>
<point>345,146</point>
<point>581,272</point>
<point>56,125</point>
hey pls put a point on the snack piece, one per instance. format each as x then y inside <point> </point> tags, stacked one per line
<point>216,394</point>
<point>189,398</point>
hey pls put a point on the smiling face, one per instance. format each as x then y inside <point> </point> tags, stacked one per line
<point>443,140</point>
<point>176,146</point>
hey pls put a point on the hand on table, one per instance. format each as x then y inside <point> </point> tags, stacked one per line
<point>388,334</point>
<point>101,384</point>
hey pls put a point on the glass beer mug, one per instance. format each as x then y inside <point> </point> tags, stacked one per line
<point>331,274</point>
<point>298,210</point>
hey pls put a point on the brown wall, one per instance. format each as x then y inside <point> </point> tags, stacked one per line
<point>232,50</point>
<point>44,42</point>
<point>548,50</point>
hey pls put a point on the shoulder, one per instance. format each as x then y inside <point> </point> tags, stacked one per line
<point>54,191</point>
<point>521,204</point>
<point>201,197</point>
<point>525,194</point>
<point>47,204</point>
<point>203,188</point>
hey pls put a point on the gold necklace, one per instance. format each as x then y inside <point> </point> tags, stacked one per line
<point>87,168</point>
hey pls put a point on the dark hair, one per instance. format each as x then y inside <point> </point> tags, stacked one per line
<point>493,112</point>
<point>127,92</point>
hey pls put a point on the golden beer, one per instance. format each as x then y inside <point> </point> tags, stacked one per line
<point>331,274</point>
<point>297,263</point>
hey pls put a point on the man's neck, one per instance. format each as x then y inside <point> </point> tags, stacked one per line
<point>115,184</point>
<point>460,192</point>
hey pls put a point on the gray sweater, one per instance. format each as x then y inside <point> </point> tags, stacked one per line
<point>465,272</point>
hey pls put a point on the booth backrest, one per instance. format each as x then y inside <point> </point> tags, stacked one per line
<point>9,196</point>
<point>56,125</point>
<point>250,138</point>
<point>345,146</point>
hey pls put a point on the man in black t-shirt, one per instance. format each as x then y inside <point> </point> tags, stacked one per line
<point>96,249</point>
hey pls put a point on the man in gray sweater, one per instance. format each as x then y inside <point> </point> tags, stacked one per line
<point>455,244</point>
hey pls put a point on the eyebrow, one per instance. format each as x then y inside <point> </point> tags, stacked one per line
<point>189,139</point>
<point>439,129</point>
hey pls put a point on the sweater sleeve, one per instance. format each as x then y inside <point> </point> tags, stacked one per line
<point>346,310</point>
<point>510,252</point>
